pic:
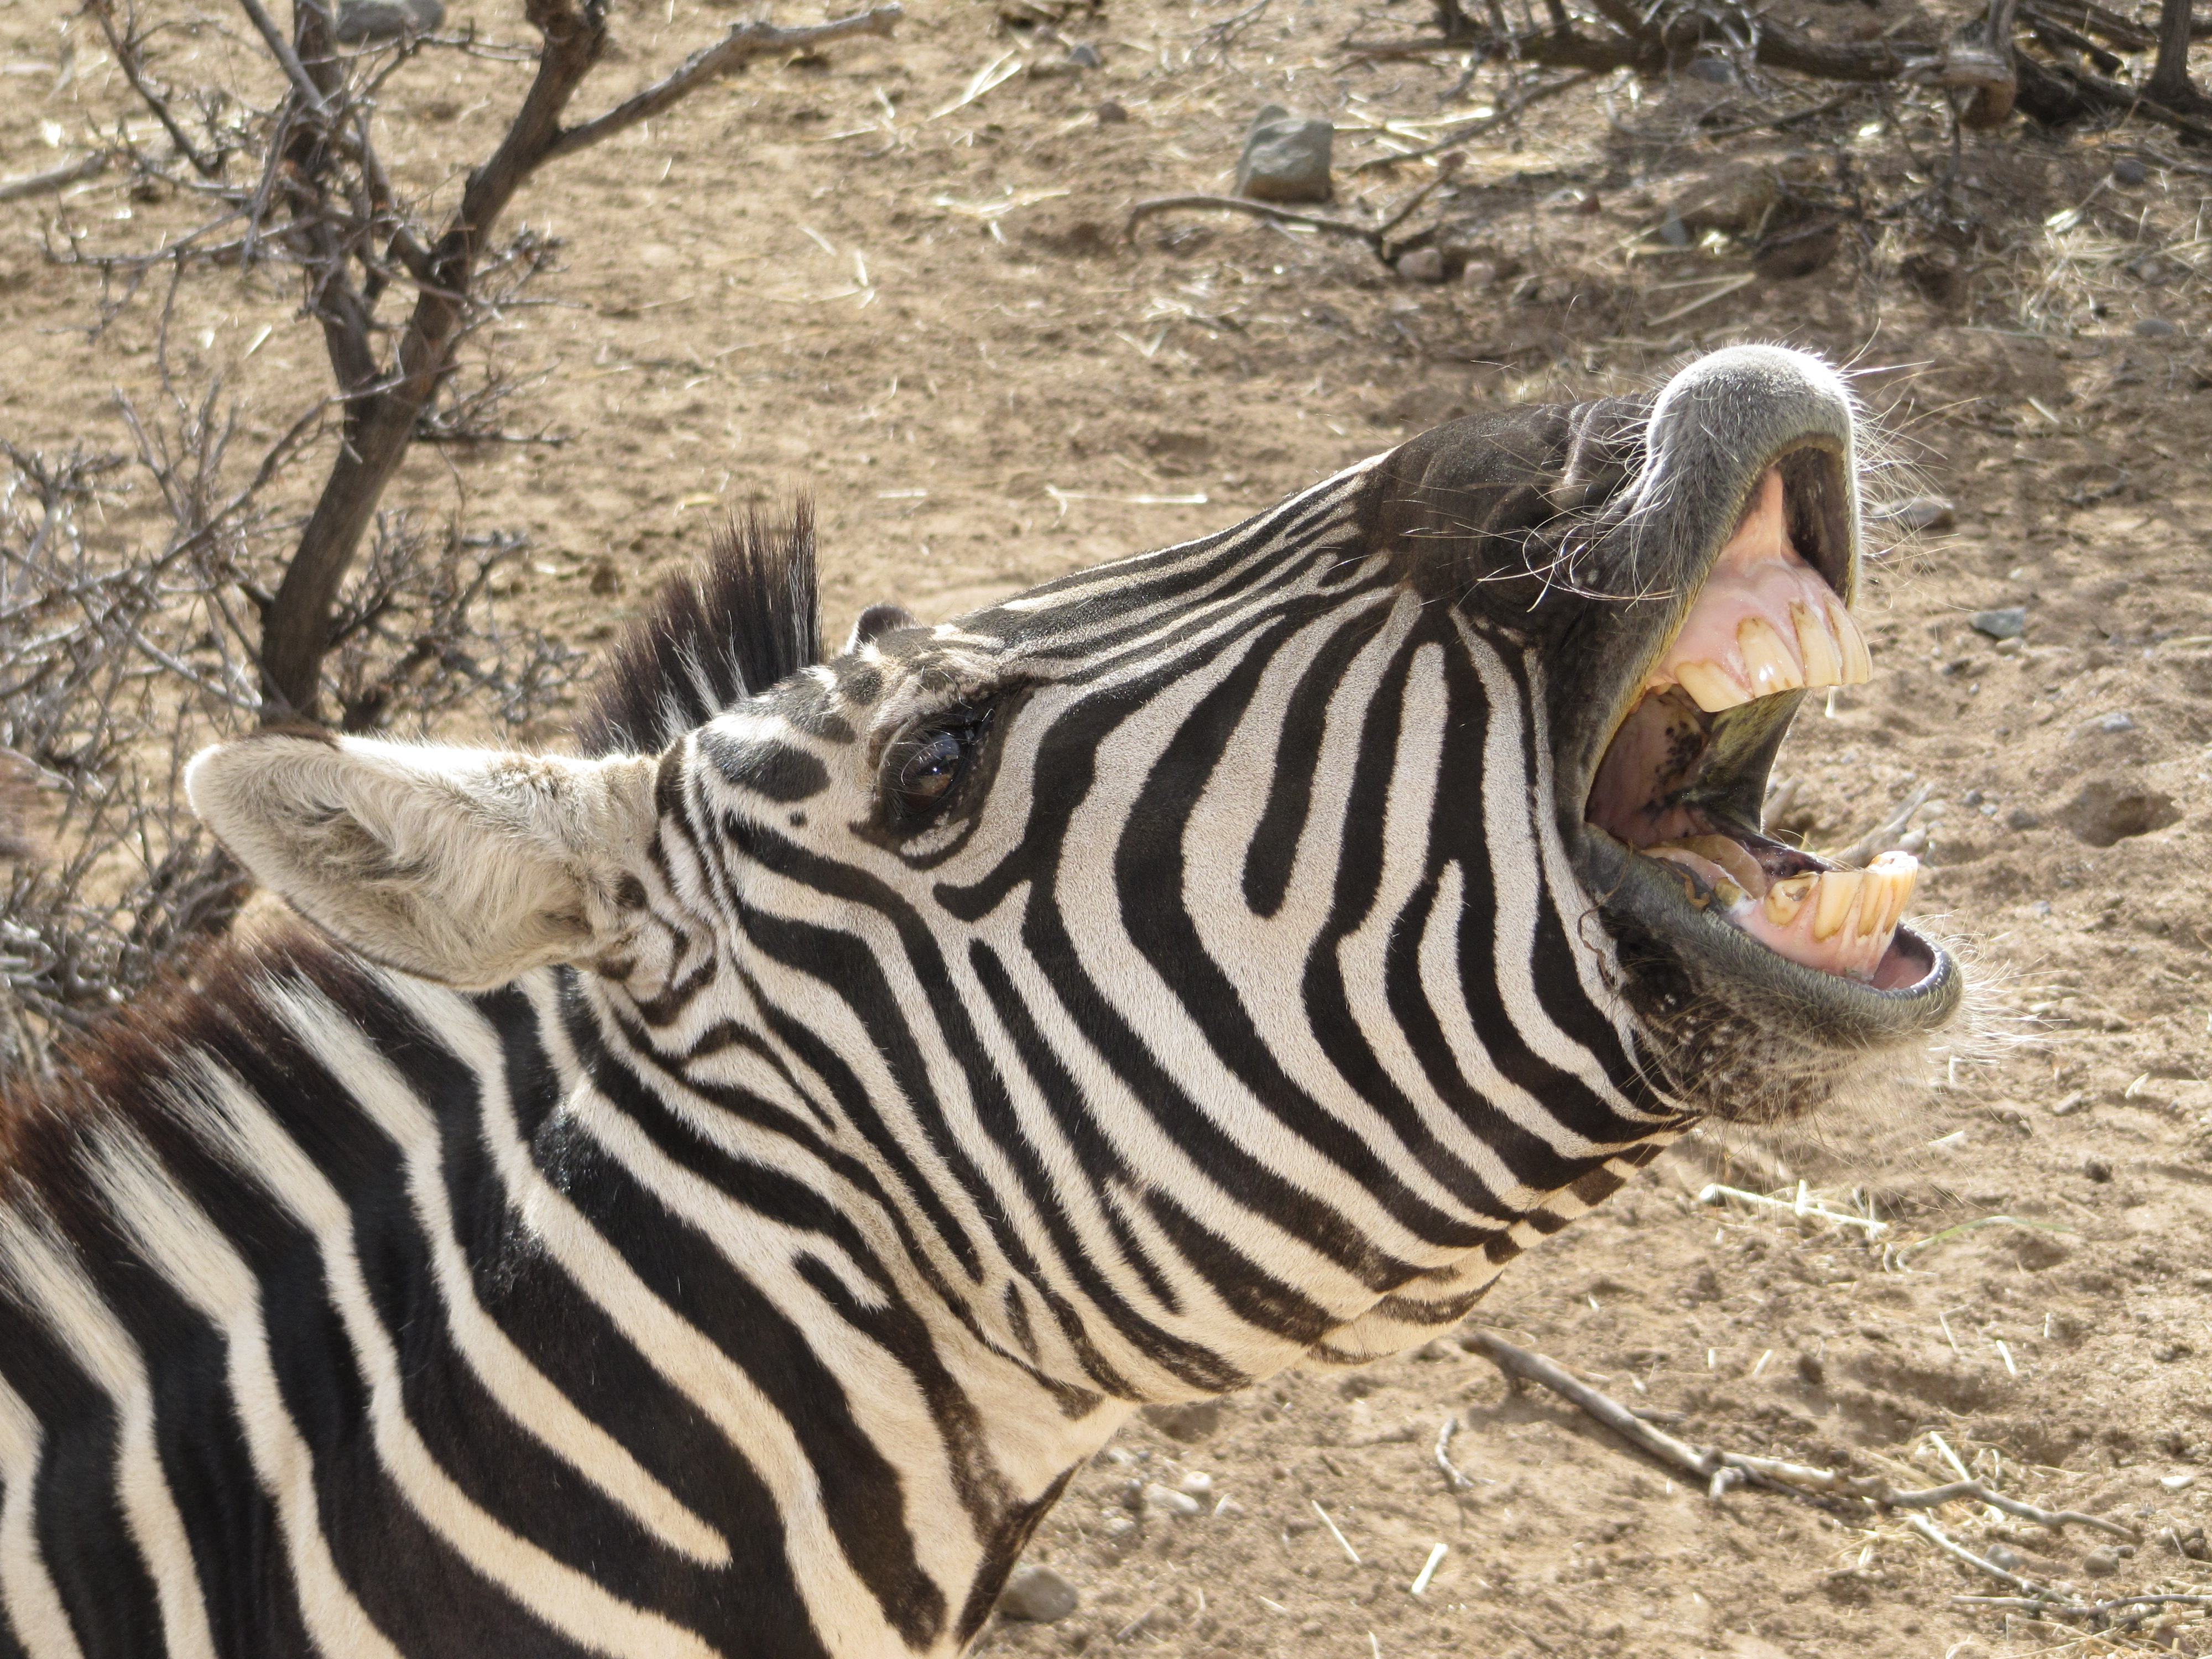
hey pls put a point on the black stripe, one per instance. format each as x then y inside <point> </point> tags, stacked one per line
<point>77,1518</point>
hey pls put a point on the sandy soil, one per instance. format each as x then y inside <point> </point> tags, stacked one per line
<point>818,277</point>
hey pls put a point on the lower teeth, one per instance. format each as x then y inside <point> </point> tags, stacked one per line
<point>1839,921</point>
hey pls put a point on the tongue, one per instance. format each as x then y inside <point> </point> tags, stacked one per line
<point>1837,922</point>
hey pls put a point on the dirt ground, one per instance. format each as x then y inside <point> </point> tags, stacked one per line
<point>834,276</point>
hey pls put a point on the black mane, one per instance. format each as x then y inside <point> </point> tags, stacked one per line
<point>748,617</point>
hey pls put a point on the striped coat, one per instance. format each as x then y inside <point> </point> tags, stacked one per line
<point>707,1196</point>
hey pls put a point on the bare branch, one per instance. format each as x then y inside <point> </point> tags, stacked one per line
<point>741,46</point>
<point>53,179</point>
<point>1720,1469</point>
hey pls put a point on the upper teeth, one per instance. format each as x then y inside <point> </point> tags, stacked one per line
<point>1823,647</point>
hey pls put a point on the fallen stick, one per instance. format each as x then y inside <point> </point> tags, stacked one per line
<point>1721,1470</point>
<point>53,179</point>
<point>2062,1609</point>
<point>1370,234</point>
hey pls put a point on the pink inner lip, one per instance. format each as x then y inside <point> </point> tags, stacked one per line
<point>1840,922</point>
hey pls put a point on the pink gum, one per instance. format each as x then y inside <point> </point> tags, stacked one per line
<point>1759,573</point>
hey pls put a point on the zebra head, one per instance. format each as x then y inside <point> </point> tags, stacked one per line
<point>1233,952</point>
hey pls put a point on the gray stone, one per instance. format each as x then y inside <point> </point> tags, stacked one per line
<point>2130,171</point>
<point>1285,157</point>
<point>1923,513</point>
<point>1084,55</point>
<point>1038,1595</point>
<point>2021,818</point>
<point>1165,1500</point>
<point>2157,328</point>
<point>364,22</point>
<point>1186,1420</point>
<point>1422,265</point>
<point>2100,1564</point>
<point>2007,623</point>
<point>1111,114</point>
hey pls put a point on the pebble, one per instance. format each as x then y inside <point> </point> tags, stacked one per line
<point>1111,114</point>
<point>1084,55</point>
<point>2176,1482</point>
<point>1168,1501</point>
<point>1197,1483</point>
<point>2021,818</point>
<point>1422,265</point>
<point>2100,1564</point>
<point>1186,1420</point>
<point>2096,1168</point>
<point>2118,720</point>
<point>1285,157</point>
<point>2157,328</point>
<point>1999,1556</point>
<point>1038,1595</point>
<point>2007,622</point>
<point>2130,171</point>
<point>1924,512</point>
<point>362,20</point>
<point>2067,1106</point>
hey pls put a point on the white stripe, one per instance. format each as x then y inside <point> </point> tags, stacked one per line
<point>187,1248</point>
<point>1510,839</point>
<point>29,1604</point>
<point>55,1286</point>
<point>555,1593</point>
<point>846,1613</point>
<point>524,1392</point>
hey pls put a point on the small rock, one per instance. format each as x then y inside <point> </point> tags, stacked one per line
<point>1117,1526</point>
<point>361,22</point>
<point>2100,1564</point>
<point>1479,273</point>
<point>1111,114</point>
<point>1422,265</point>
<point>2021,818</point>
<point>1673,231</point>
<point>1923,513</point>
<point>2000,1556</point>
<point>1187,1420</point>
<point>1285,157</point>
<point>606,581</point>
<point>1038,1595</point>
<point>1197,1483</point>
<point>2118,721</point>
<point>1714,71</point>
<point>1084,55</point>
<point>2097,1169</point>
<point>1166,1501</point>
<point>2157,328</point>
<point>2129,171</point>
<point>2176,1482</point>
<point>2008,623</point>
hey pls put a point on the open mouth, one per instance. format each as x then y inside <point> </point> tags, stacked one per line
<point>1681,780</point>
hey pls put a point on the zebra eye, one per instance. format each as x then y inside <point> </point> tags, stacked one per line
<point>923,769</point>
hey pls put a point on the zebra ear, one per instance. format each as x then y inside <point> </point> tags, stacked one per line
<point>462,865</point>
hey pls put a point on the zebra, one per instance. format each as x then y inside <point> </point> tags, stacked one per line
<point>706,1195</point>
